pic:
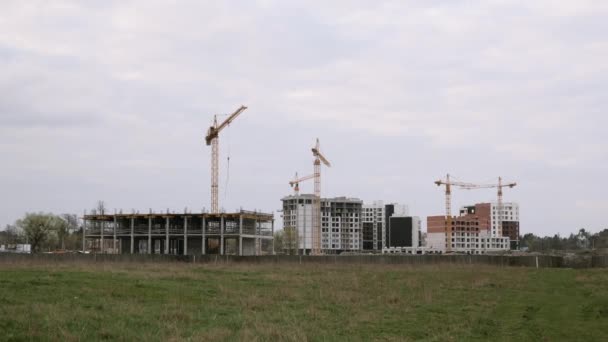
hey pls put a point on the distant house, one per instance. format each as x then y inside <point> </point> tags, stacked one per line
<point>16,248</point>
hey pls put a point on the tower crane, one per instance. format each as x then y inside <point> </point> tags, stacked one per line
<point>212,139</point>
<point>316,212</point>
<point>448,207</point>
<point>499,204</point>
<point>468,186</point>
<point>295,183</point>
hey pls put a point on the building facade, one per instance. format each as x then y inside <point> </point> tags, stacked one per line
<point>403,232</point>
<point>375,219</point>
<point>240,233</point>
<point>340,222</point>
<point>404,236</point>
<point>475,231</point>
<point>510,221</point>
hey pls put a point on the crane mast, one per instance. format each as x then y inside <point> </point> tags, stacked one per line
<point>316,212</point>
<point>215,170</point>
<point>448,209</point>
<point>212,139</point>
<point>499,202</point>
<point>295,184</point>
<point>470,186</point>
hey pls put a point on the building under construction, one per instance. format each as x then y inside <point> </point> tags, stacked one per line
<point>241,233</point>
<point>475,231</point>
<point>340,222</point>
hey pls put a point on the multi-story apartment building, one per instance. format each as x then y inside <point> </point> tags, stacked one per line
<point>510,221</point>
<point>475,231</point>
<point>340,222</point>
<point>375,219</point>
<point>390,229</point>
<point>403,232</point>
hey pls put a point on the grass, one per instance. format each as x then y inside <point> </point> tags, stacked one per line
<point>172,302</point>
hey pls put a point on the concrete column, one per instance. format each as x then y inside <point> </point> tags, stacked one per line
<point>257,239</point>
<point>167,235</point>
<point>114,240</point>
<point>132,235</point>
<point>84,231</point>
<point>222,235</point>
<point>149,234</point>
<point>103,226</point>
<point>203,247</point>
<point>241,234</point>
<point>273,253</point>
<point>185,235</point>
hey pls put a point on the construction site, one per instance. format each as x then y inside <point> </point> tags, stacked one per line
<point>320,225</point>
<point>240,233</point>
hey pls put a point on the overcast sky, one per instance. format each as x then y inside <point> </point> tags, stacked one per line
<point>110,100</point>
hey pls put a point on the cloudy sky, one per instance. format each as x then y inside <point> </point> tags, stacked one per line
<point>110,100</point>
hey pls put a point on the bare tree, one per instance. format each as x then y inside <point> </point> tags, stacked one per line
<point>72,221</point>
<point>101,207</point>
<point>62,229</point>
<point>73,234</point>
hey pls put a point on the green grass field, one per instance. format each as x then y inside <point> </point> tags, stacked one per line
<point>163,302</point>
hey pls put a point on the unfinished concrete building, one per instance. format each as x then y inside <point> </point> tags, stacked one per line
<point>241,233</point>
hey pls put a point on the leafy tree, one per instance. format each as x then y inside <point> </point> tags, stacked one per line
<point>290,240</point>
<point>36,227</point>
<point>11,235</point>
<point>583,239</point>
<point>286,241</point>
<point>74,237</point>
<point>529,240</point>
<point>61,229</point>
<point>278,241</point>
<point>600,240</point>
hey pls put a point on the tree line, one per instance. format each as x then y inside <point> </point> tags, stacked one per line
<point>44,232</point>
<point>583,240</point>
<point>47,231</point>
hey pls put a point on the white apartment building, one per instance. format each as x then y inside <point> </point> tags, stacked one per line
<point>508,226</point>
<point>510,211</point>
<point>340,222</point>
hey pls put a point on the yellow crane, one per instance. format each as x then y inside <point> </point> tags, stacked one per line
<point>212,139</point>
<point>295,183</point>
<point>499,205</point>
<point>468,186</point>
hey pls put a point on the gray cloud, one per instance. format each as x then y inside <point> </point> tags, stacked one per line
<point>110,100</point>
